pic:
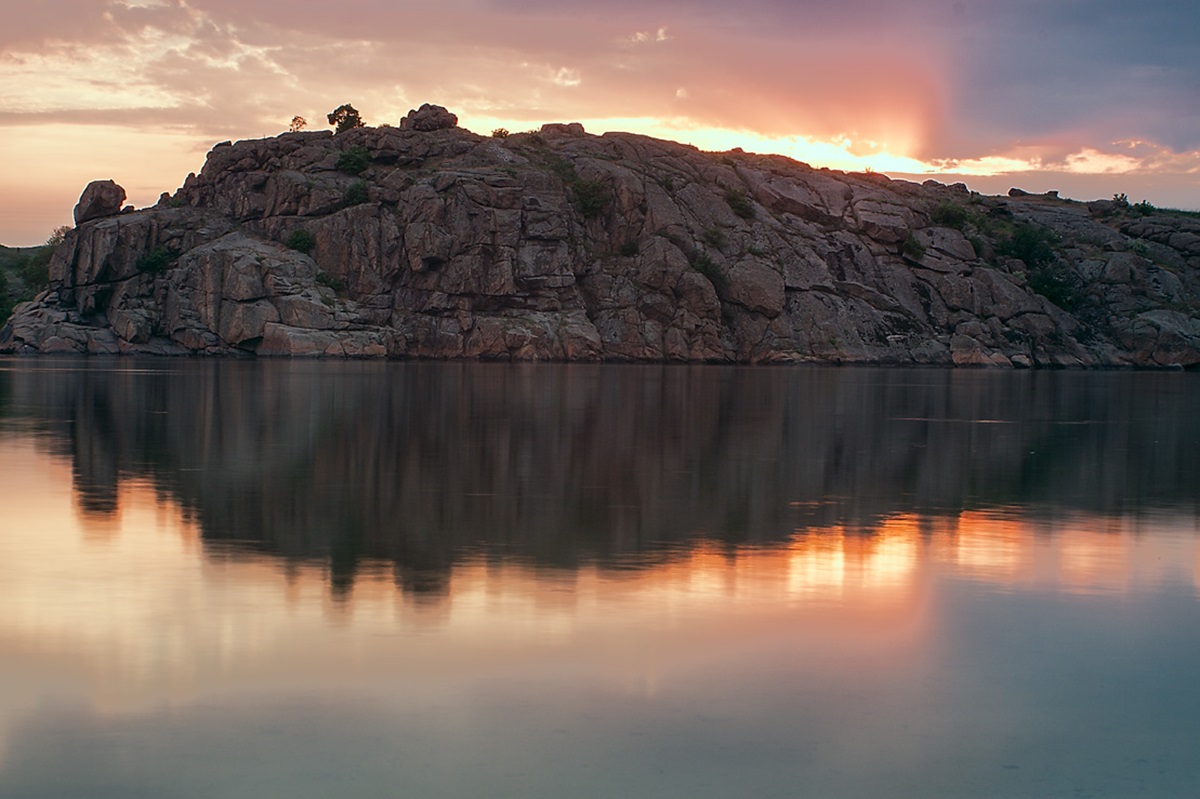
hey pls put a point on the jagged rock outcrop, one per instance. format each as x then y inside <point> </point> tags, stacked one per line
<point>431,241</point>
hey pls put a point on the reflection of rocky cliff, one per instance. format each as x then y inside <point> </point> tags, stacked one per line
<point>435,242</point>
<point>424,464</point>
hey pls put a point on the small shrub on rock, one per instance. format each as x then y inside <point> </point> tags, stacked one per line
<point>1048,275</point>
<point>913,248</point>
<point>703,263</point>
<point>1031,243</point>
<point>591,196</point>
<point>301,241</point>
<point>500,133</point>
<point>740,204</point>
<point>353,160</point>
<point>156,261</point>
<point>356,194</point>
<point>1058,284</point>
<point>949,214</point>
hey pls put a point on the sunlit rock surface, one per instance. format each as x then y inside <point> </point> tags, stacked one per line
<point>560,245</point>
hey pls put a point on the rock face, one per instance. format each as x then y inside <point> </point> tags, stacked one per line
<point>429,241</point>
<point>101,198</point>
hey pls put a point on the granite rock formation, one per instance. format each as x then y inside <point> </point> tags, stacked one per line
<point>101,198</point>
<point>429,241</point>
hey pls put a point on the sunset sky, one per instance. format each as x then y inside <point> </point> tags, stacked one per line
<point>1090,97</point>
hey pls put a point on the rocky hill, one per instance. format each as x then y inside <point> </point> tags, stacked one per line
<point>428,241</point>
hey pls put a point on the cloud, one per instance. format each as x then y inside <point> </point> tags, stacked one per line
<point>947,85</point>
<point>968,84</point>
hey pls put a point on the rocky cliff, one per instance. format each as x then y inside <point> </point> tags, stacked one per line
<point>429,241</point>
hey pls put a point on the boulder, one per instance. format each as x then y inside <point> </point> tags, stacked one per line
<point>563,129</point>
<point>101,198</point>
<point>429,117</point>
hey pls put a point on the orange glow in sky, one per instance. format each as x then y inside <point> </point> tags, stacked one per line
<point>138,91</point>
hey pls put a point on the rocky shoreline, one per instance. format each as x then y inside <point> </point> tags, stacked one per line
<point>428,241</point>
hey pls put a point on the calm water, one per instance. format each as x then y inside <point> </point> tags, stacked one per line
<point>463,580</point>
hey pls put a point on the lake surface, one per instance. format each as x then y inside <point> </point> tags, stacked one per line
<point>288,579</point>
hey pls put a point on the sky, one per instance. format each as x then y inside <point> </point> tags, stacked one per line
<point>1087,97</point>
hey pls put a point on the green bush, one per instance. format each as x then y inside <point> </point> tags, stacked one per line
<point>156,261</point>
<point>740,204</point>
<point>1143,208</point>
<point>1056,283</point>
<point>353,160</point>
<point>703,263</point>
<point>1032,244</point>
<point>500,133</point>
<point>1047,275</point>
<point>301,241</point>
<point>629,249</point>
<point>591,196</point>
<point>913,248</point>
<point>356,194</point>
<point>949,214</point>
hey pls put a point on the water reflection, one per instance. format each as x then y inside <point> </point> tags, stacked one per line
<point>303,577</point>
<point>424,465</point>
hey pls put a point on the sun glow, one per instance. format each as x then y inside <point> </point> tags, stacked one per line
<point>841,152</point>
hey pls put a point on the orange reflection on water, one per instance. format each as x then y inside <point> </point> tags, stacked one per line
<point>1073,553</point>
<point>837,561</point>
<point>133,605</point>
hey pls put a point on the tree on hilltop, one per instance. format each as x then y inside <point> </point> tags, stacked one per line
<point>298,123</point>
<point>345,117</point>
